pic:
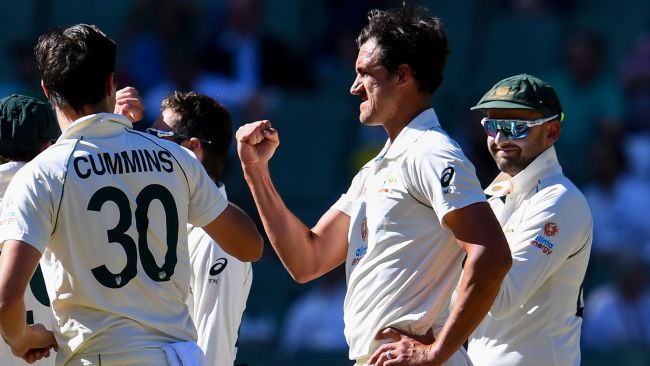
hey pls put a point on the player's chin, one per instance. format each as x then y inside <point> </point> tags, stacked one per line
<point>510,166</point>
<point>367,120</point>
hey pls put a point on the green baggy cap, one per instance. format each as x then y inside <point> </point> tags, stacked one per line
<point>522,92</point>
<point>25,124</point>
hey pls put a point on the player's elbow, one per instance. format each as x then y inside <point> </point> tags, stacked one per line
<point>302,278</point>
<point>258,249</point>
<point>498,258</point>
<point>254,249</point>
<point>301,272</point>
<point>503,263</point>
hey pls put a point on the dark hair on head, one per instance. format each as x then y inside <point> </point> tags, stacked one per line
<point>408,36</point>
<point>203,117</point>
<point>74,64</point>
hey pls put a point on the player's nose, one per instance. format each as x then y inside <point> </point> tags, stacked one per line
<point>355,88</point>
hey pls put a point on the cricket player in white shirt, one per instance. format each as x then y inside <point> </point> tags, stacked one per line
<point>536,318</point>
<point>409,217</point>
<point>27,127</point>
<point>106,208</point>
<point>220,283</point>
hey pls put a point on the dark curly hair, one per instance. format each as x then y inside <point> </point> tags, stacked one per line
<point>408,36</point>
<point>204,118</point>
<point>74,64</point>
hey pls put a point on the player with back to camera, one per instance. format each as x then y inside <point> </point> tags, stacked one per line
<point>27,127</point>
<point>106,207</point>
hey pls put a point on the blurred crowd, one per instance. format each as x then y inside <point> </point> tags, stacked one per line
<point>292,61</point>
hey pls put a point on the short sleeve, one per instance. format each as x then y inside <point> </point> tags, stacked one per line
<point>346,201</point>
<point>206,201</point>
<point>441,176</point>
<point>27,212</point>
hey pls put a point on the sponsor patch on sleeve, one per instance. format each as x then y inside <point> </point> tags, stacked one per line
<point>445,180</point>
<point>550,229</point>
<point>8,211</point>
<point>542,243</point>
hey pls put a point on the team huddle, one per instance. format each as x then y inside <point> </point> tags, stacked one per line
<point>112,238</point>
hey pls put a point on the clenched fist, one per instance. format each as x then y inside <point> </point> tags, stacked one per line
<point>256,142</point>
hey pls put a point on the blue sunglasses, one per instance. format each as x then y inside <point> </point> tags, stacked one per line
<point>512,128</point>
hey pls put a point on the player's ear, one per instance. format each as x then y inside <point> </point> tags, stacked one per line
<point>553,131</point>
<point>111,84</point>
<point>195,146</point>
<point>404,73</point>
<point>45,91</point>
<point>195,143</point>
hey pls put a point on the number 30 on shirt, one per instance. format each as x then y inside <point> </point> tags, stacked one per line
<point>118,234</point>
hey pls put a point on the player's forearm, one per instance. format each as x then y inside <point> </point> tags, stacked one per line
<point>13,325</point>
<point>478,288</point>
<point>291,238</point>
<point>17,264</point>
<point>236,234</point>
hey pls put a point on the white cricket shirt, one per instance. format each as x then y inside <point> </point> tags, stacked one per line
<point>37,304</point>
<point>535,319</point>
<point>7,172</point>
<point>108,207</point>
<point>403,264</point>
<point>220,286</point>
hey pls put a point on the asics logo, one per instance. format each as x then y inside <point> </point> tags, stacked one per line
<point>218,267</point>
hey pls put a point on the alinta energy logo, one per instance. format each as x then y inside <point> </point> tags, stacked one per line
<point>359,254</point>
<point>542,243</point>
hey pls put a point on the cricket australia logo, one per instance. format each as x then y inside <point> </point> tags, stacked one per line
<point>364,229</point>
<point>550,229</point>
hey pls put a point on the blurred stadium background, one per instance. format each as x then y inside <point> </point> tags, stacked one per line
<point>292,61</point>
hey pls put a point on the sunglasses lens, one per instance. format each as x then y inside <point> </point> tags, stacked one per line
<point>490,127</point>
<point>518,130</point>
<point>510,129</point>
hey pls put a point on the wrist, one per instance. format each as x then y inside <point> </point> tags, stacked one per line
<point>432,355</point>
<point>255,169</point>
<point>17,339</point>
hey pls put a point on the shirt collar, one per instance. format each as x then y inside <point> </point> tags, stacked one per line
<point>545,165</point>
<point>99,124</point>
<point>423,122</point>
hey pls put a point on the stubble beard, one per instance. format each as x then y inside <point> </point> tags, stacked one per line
<point>510,165</point>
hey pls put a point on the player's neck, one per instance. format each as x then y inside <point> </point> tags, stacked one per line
<point>404,115</point>
<point>66,115</point>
